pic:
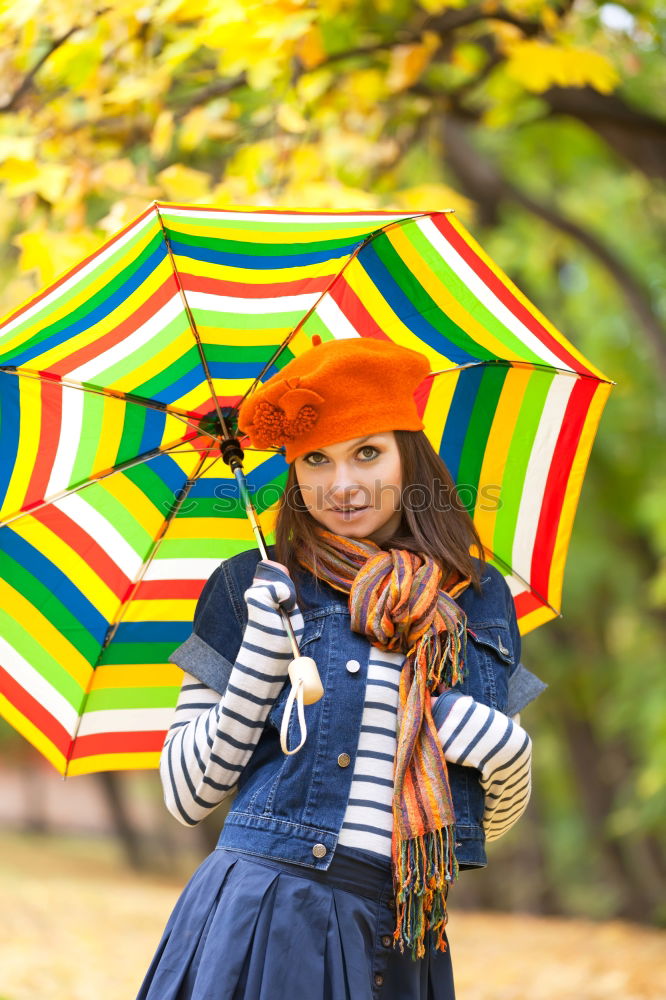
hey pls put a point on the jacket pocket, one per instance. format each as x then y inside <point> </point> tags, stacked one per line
<point>490,661</point>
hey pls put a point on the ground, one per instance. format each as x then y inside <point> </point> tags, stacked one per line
<point>75,924</point>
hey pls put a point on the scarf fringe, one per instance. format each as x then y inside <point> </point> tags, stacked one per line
<point>423,871</point>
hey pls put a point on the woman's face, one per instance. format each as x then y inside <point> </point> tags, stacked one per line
<point>353,488</point>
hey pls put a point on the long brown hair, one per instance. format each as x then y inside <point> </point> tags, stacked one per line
<point>434,520</point>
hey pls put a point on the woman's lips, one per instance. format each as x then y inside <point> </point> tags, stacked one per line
<point>348,512</point>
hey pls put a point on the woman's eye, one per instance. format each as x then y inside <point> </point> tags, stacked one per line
<point>312,458</point>
<point>368,448</point>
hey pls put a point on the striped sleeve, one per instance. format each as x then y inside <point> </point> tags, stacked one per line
<point>475,735</point>
<point>211,739</point>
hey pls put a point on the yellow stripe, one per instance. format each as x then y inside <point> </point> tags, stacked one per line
<point>60,649</point>
<point>131,675</point>
<point>28,445</point>
<point>494,468</point>
<point>213,527</point>
<point>524,301</point>
<point>147,516</point>
<point>223,272</point>
<point>438,406</point>
<point>534,619</point>
<point>446,301</point>
<point>110,434</point>
<point>286,236</point>
<point>572,493</point>
<point>386,320</point>
<point>73,564</point>
<point>181,610</point>
<point>32,734</point>
<point>148,760</point>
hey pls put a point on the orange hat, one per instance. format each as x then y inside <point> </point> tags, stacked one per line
<point>335,391</point>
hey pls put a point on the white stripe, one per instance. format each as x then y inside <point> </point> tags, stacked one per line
<point>252,306</point>
<point>93,265</point>
<point>71,424</point>
<point>330,313</point>
<point>487,297</point>
<point>538,467</point>
<point>133,342</point>
<point>38,687</point>
<point>125,720</point>
<point>181,569</point>
<point>109,538</point>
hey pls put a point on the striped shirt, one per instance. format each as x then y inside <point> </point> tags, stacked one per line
<point>212,739</point>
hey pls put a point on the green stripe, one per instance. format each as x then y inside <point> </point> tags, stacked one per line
<point>108,265</point>
<point>478,429</point>
<point>517,460</point>
<point>132,697</point>
<point>90,304</point>
<point>133,428</point>
<point>93,417</point>
<point>153,487</point>
<point>425,307</point>
<point>122,519</point>
<point>248,321</point>
<point>207,548</point>
<point>138,652</point>
<point>42,662</point>
<point>243,248</point>
<point>315,324</point>
<point>49,604</point>
<point>129,365</point>
<point>466,298</point>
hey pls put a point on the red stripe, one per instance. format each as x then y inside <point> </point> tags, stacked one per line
<point>169,590</point>
<point>495,284</point>
<point>350,304</point>
<point>159,298</point>
<point>35,712</point>
<point>556,483</point>
<point>78,267</point>
<point>215,286</point>
<point>89,746</point>
<point>526,603</point>
<point>81,542</point>
<point>49,437</point>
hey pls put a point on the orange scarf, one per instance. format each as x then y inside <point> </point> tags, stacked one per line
<point>398,601</point>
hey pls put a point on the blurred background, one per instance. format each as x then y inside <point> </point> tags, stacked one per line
<point>543,125</point>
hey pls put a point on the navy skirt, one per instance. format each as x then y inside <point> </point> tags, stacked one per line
<point>250,928</point>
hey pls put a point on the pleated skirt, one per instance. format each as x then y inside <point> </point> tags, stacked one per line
<point>250,928</point>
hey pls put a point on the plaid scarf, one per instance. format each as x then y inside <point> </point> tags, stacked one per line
<point>397,600</point>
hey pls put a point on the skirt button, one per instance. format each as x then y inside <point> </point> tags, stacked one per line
<point>344,760</point>
<point>387,940</point>
<point>319,851</point>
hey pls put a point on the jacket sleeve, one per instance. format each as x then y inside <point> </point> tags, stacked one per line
<point>212,737</point>
<point>474,735</point>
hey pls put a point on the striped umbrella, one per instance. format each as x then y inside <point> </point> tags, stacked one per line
<point>115,505</point>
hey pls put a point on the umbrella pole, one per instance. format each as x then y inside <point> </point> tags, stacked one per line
<point>232,453</point>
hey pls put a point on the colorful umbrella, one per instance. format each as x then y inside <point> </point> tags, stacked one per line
<point>115,505</point>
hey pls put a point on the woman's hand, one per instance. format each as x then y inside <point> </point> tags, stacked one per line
<point>272,587</point>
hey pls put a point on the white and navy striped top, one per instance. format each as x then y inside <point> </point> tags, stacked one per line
<point>212,739</point>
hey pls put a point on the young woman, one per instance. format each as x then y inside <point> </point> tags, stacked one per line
<point>330,878</point>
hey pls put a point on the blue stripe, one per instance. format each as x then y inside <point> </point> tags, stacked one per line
<point>9,429</point>
<point>406,309</point>
<point>38,344</point>
<point>460,414</point>
<point>63,591</point>
<point>264,263</point>
<point>152,632</point>
<point>153,430</point>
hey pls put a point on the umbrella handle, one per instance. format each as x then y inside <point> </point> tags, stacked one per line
<point>306,688</point>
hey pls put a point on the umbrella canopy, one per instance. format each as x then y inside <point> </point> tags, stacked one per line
<point>115,505</point>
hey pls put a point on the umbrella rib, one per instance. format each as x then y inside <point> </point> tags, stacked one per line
<point>122,610</point>
<point>190,318</point>
<point>283,346</point>
<point>520,364</point>
<point>105,474</point>
<point>127,397</point>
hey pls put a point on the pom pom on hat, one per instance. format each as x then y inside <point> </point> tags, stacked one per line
<point>336,390</point>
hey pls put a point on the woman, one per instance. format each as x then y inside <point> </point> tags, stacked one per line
<point>332,870</point>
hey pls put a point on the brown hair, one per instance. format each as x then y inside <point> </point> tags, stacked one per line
<point>434,520</point>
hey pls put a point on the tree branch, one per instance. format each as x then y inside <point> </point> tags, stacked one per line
<point>483,182</point>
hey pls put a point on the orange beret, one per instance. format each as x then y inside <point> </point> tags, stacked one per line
<point>335,391</point>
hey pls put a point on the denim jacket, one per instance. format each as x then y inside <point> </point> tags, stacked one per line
<point>292,807</point>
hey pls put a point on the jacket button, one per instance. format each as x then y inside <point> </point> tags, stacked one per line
<point>353,666</point>
<point>379,979</point>
<point>319,851</point>
<point>502,648</point>
<point>344,760</point>
<point>387,940</point>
